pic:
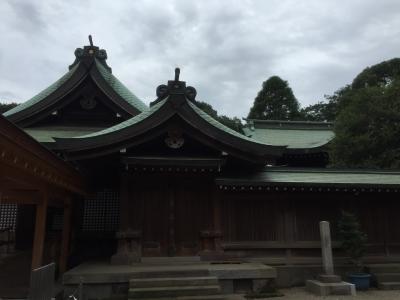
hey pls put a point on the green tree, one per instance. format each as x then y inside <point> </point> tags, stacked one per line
<point>353,240</point>
<point>319,112</point>
<point>275,101</point>
<point>368,119</point>
<point>381,74</point>
<point>327,111</point>
<point>367,129</point>
<point>233,123</point>
<point>6,106</point>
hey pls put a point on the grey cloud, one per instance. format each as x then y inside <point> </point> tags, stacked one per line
<point>226,49</point>
<point>28,16</point>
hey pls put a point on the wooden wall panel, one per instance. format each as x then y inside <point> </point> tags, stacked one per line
<point>392,217</point>
<point>270,221</point>
<point>170,212</point>
<point>252,217</point>
<point>193,213</point>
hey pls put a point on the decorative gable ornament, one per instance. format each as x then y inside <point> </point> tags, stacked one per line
<point>175,87</point>
<point>89,53</point>
<point>174,140</point>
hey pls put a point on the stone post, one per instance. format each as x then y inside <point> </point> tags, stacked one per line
<point>326,247</point>
<point>129,247</point>
<point>328,283</point>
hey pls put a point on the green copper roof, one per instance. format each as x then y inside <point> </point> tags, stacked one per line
<point>115,84</point>
<point>154,108</point>
<point>43,94</point>
<point>120,89</point>
<point>295,135</point>
<point>127,123</point>
<point>222,127</point>
<point>316,177</point>
<point>46,134</point>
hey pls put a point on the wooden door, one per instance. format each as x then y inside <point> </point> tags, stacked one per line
<point>192,214</point>
<point>173,214</point>
<point>155,208</point>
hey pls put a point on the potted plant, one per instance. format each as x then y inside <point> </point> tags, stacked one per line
<point>353,242</point>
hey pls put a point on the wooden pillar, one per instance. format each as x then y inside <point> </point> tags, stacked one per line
<point>215,236</point>
<point>66,232</point>
<point>217,210</point>
<point>40,231</point>
<point>125,204</point>
<point>289,224</point>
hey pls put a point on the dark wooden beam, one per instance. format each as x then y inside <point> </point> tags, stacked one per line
<point>204,162</point>
<point>20,196</point>
<point>40,231</point>
<point>26,161</point>
<point>65,238</point>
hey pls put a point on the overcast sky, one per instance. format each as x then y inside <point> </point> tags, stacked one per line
<point>225,49</point>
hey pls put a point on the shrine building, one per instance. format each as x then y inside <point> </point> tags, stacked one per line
<point>93,173</point>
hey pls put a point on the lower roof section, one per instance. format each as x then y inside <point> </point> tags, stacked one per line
<point>300,136</point>
<point>27,166</point>
<point>326,178</point>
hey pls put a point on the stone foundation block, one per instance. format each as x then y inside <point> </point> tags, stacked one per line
<point>324,289</point>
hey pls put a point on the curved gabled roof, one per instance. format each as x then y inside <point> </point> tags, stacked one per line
<point>120,88</point>
<point>43,94</point>
<point>173,102</point>
<point>90,62</point>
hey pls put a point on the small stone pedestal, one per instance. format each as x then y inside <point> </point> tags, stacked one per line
<point>129,247</point>
<point>328,283</point>
<point>211,248</point>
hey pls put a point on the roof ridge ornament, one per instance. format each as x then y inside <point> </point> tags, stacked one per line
<point>175,87</point>
<point>177,73</point>
<point>89,53</point>
<point>90,40</point>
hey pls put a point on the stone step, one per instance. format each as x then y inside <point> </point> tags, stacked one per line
<point>172,281</point>
<point>212,297</point>
<point>152,298</point>
<point>395,285</point>
<point>384,268</point>
<point>146,293</point>
<point>387,277</point>
<point>169,273</point>
<point>208,297</point>
<point>171,260</point>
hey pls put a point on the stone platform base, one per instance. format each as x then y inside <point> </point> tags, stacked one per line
<point>324,289</point>
<point>104,280</point>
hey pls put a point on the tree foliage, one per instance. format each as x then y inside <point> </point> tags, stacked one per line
<point>275,101</point>
<point>319,112</point>
<point>7,106</point>
<point>367,130</point>
<point>353,240</point>
<point>328,110</point>
<point>367,126</point>
<point>233,123</point>
<point>381,74</point>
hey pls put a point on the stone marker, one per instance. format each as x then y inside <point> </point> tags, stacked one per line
<point>326,247</point>
<point>328,283</point>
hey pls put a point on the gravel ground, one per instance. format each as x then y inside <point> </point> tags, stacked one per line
<point>301,294</point>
